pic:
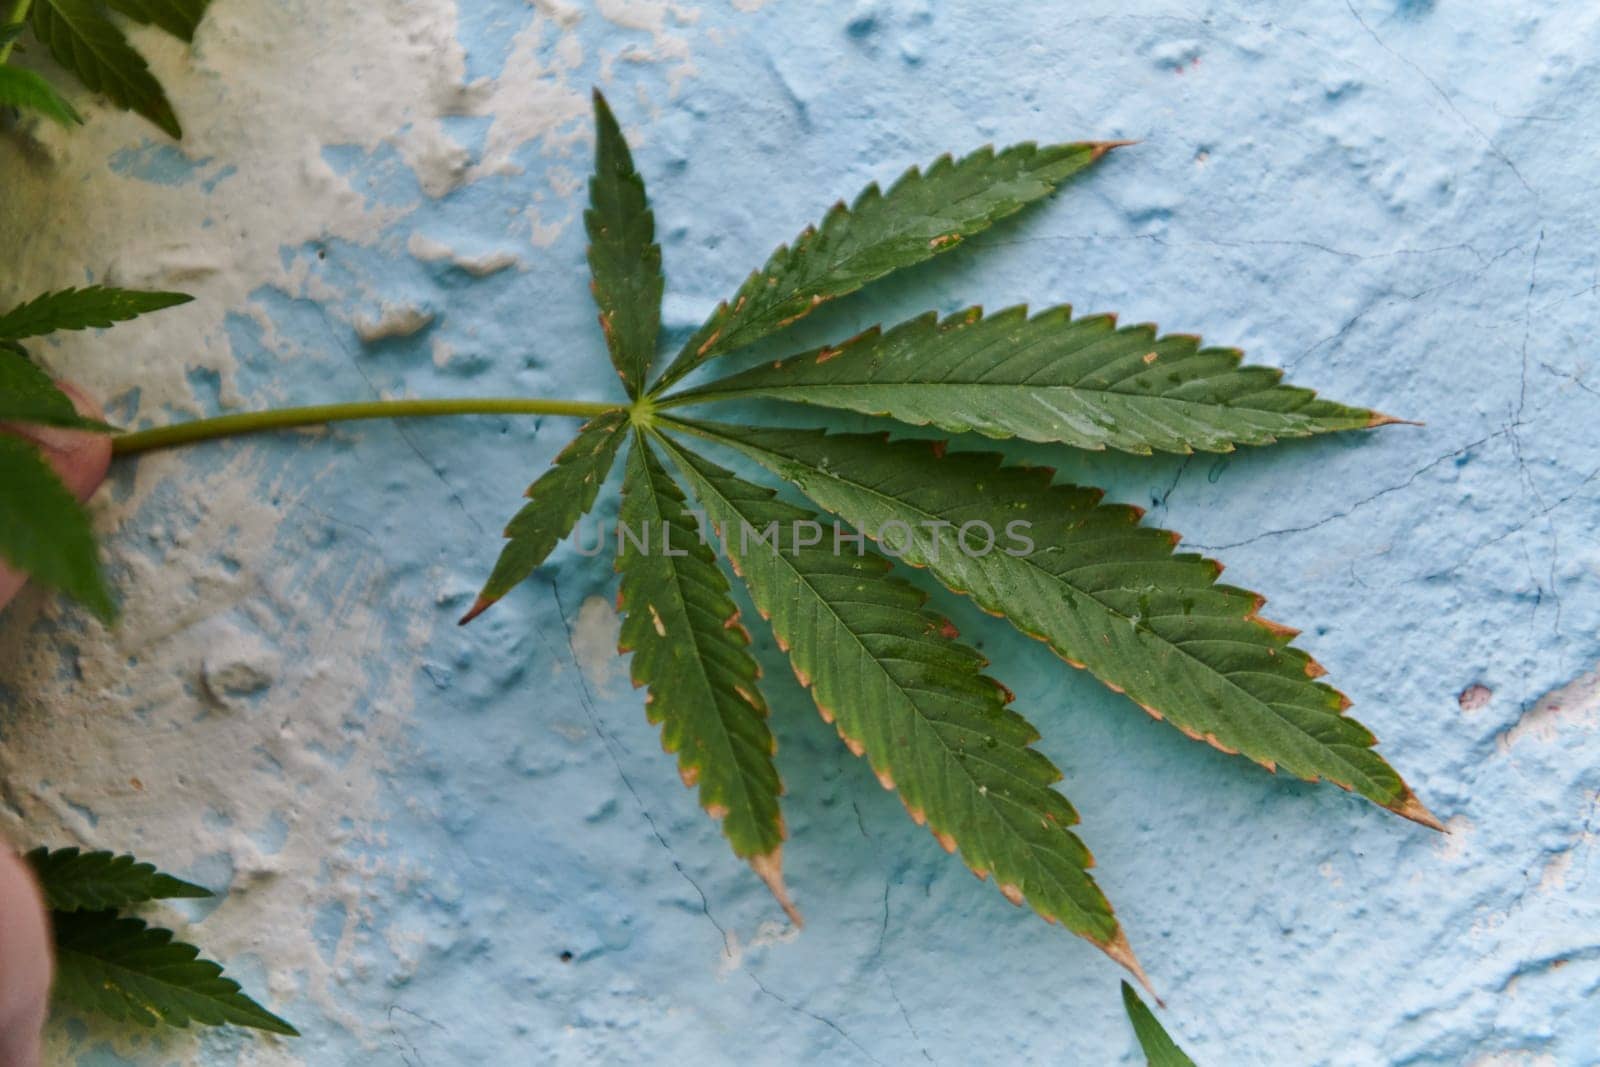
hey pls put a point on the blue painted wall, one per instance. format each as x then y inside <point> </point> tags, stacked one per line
<point>1392,200</point>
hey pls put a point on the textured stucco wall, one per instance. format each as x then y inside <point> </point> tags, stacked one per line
<point>1391,198</point>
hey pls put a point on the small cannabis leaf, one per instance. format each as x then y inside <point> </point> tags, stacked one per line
<point>81,309</point>
<point>131,972</point>
<point>44,531</point>
<point>922,215</point>
<point>1050,378</point>
<point>1159,1049</point>
<point>95,881</point>
<point>120,966</point>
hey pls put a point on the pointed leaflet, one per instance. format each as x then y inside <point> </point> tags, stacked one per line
<point>132,972</point>
<point>80,309</point>
<point>624,260</point>
<point>1159,1048</point>
<point>27,394</point>
<point>93,881</point>
<point>690,649</point>
<point>1104,592</point>
<point>25,90</point>
<point>178,17</point>
<point>44,531</point>
<point>922,215</point>
<point>889,675</point>
<point>556,502</point>
<point>87,43</point>
<point>1051,378</point>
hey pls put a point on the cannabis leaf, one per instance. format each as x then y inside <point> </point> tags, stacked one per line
<point>922,215</point>
<point>555,504</point>
<point>24,89</point>
<point>81,309</point>
<point>91,46</point>
<point>132,972</point>
<point>1104,592</point>
<point>1159,1049</point>
<point>1050,378</point>
<point>690,650</point>
<point>44,531</point>
<point>95,881</point>
<point>624,259</point>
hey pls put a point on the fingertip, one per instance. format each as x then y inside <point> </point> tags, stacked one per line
<point>25,964</point>
<point>80,459</point>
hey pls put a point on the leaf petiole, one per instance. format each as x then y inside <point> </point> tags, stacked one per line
<point>185,433</point>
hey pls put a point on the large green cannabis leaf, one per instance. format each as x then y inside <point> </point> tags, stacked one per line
<point>1107,593</point>
<point>44,531</point>
<point>84,39</point>
<point>123,968</point>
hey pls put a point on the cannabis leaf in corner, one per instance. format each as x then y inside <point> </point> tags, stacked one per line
<point>1159,1048</point>
<point>85,40</point>
<point>123,968</point>
<point>44,531</point>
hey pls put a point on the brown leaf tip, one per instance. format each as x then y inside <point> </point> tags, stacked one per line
<point>1409,807</point>
<point>1119,949</point>
<point>1100,148</point>
<point>769,868</point>
<point>479,606</point>
<point>1380,419</point>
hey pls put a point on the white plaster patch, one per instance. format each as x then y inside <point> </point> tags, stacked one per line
<point>1576,704</point>
<point>392,321</point>
<point>481,266</point>
<point>594,644</point>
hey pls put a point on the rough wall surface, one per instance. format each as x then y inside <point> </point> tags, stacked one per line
<point>453,846</point>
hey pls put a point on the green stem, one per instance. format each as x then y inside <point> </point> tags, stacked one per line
<point>19,11</point>
<point>185,433</point>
